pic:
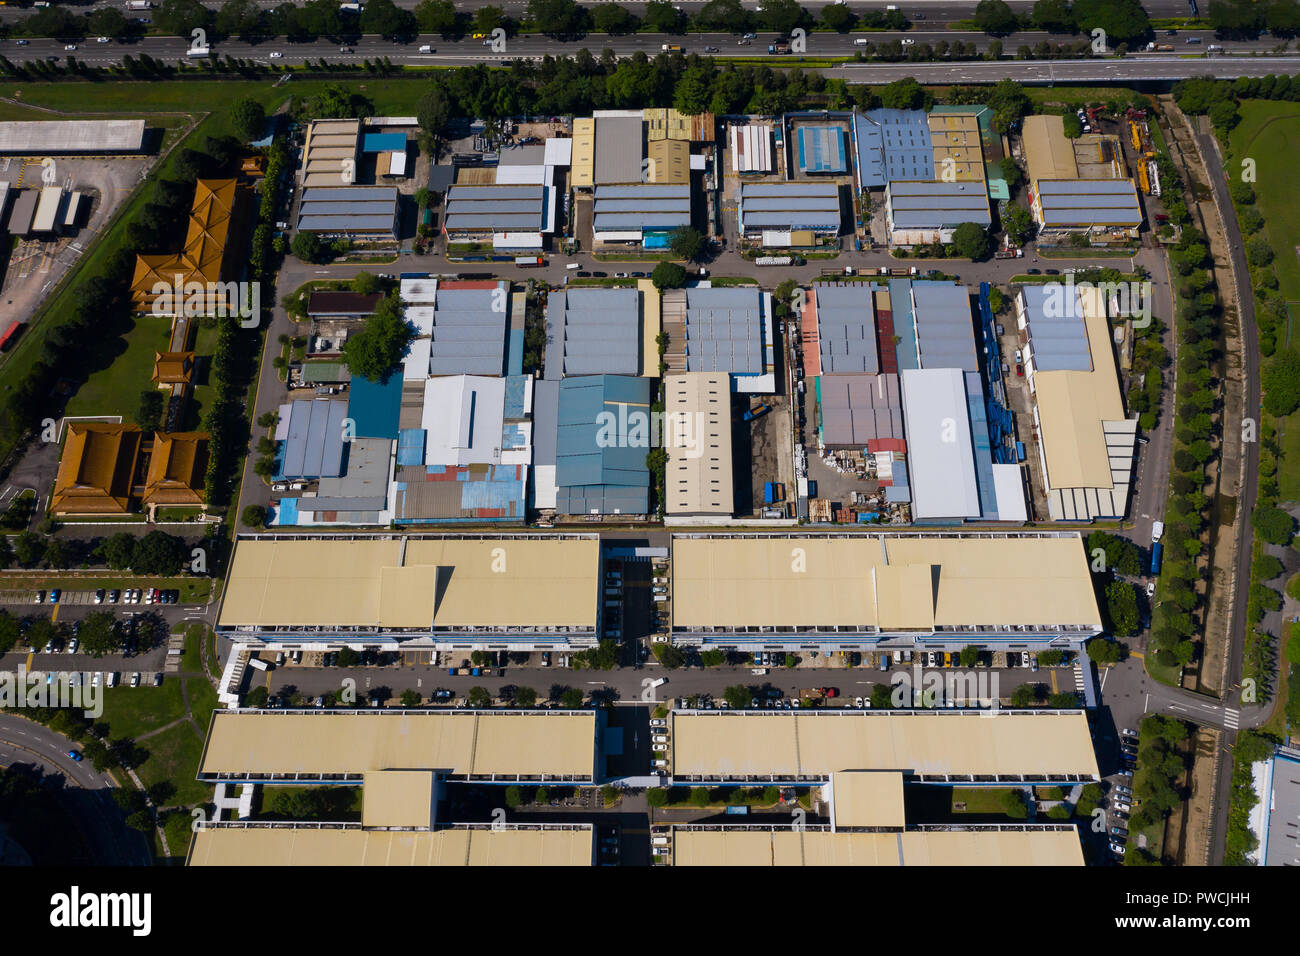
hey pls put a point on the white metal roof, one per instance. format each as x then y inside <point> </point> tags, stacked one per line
<point>941,457</point>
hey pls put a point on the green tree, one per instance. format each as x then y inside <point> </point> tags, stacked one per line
<point>614,19</point>
<point>668,275</point>
<point>1073,126</point>
<point>9,631</point>
<point>780,16</point>
<point>995,18</point>
<point>558,18</point>
<point>657,797</point>
<point>479,697</point>
<point>970,655</point>
<point>99,634</point>
<point>1053,16</point>
<point>1019,225</point>
<point>838,17</point>
<point>687,243</point>
<point>525,697</point>
<point>970,241</point>
<point>411,698</point>
<point>1273,524</point>
<point>699,797</point>
<point>377,350</point>
<point>248,117</point>
<point>436,16</point>
<point>159,553</point>
<point>571,698</point>
<point>1014,805</point>
<point>307,247</point>
<point>1281,380</point>
<point>1123,20</point>
<point>737,696</point>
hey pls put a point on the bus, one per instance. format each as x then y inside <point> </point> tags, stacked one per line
<point>10,336</point>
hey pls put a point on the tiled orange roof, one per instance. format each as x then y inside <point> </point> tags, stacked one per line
<point>97,468</point>
<point>202,258</point>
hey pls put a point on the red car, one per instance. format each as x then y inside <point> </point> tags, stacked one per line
<point>1020,370</point>
<point>831,692</point>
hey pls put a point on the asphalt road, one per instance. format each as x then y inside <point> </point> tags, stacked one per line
<point>110,842</point>
<point>1183,62</point>
<point>920,11</point>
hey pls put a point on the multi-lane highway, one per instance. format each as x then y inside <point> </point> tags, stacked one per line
<point>1242,58</point>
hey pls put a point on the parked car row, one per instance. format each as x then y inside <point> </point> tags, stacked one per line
<point>114,596</point>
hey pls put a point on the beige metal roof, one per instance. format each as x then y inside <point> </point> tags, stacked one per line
<point>788,847</point>
<point>521,581</point>
<point>526,744</point>
<point>698,478</point>
<point>397,798</point>
<point>583,169</point>
<point>1072,407</point>
<point>720,744</point>
<point>958,154</point>
<point>868,799</point>
<point>284,846</point>
<point>1047,151</point>
<point>1007,581</point>
<point>886,581</point>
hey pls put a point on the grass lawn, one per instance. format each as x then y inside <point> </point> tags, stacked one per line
<point>980,799</point>
<point>1269,133</point>
<point>115,389</point>
<point>192,659</point>
<point>132,711</point>
<point>174,758</point>
<point>1288,470</point>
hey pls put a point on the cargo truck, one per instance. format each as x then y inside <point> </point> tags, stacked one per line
<point>670,48</point>
<point>757,411</point>
<point>258,663</point>
<point>779,48</point>
<point>1157,550</point>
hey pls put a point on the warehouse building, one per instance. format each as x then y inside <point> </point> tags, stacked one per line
<point>934,591</point>
<point>353,212</point>
<point>751,149</point>
<point>892,145</point>
<point>1103,208</point>
<point>821,150</point>
<point>646,214</point>
<point>1086,444</point>
<point>49,211</point>
<point>958,152</point>
<point>919,213</point>
<point>1278,814</point>
<point>461,327</point>
<point>698,479</point>
<point>314,445</point>
<point>404,764</point>
<point>861,411</point>
<point>603,434</point>
<point>846,328</point>
<point>23,211</point>
<point>396,590</point>
<point>727,330</point>
<point>593,332</point>
<point>965,747</point>
<point>515,217</point>
<point>330,153</point>
<point>98,137</point>
<point>778,213</point>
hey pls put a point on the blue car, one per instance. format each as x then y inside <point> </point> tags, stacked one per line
<point>76,757</point>
<point>54,596</point>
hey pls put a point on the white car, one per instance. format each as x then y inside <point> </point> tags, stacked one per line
<point>276,55</point>
<point>69,46</point>
<point>857,701</point>
<point>660,741</point>
<point>908,41</point>
<point>72,646</point>
<point>1151,589</point>
<point>1122,807</point>
<point>103,40</point>
<point>135,679</point>
<point>95,678</point>
<point>658,722</point>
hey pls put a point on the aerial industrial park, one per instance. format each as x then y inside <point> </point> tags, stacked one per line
<point>640,437</point>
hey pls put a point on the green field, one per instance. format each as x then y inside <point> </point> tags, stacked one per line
<point>132,711</point>
<point>127,370</point>
<point>1269,133</point>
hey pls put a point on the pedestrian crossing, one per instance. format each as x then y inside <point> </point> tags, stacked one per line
<point>1078,677</point>
<point>1231,718</point>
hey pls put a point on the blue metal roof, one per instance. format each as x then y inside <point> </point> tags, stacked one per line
<point>593,332</point>
<point>375,407</point>
<point>383,143</point>
<point>601,444</point>
<point>846,329</point>
<point>1058,335</point>
<point>945,328</point>
<point>821,149</point>
<point>314,446</point>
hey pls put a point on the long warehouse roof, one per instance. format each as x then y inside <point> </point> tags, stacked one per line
<point>72,136</point>
<point>722,745</point>
<point>731,846</point>
<point>527,744</point>
<point>458,846</point>
<point>1089,202</point>
<point>385,581</point>
<point>891,581</point>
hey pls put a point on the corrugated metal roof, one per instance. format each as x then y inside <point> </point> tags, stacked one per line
<point>383,142</point>
<point>1058,336</point>
<point>821,149</point>
<point>846,329</point>
<point>619,149</point>
<point>788,189</point>
<point>723,330</point>
<point>939,446</point>
<point>314,446</point>
<point>945,332</point>
<point>599,469</point>
<point>856,409</point>
<point>593,332</point>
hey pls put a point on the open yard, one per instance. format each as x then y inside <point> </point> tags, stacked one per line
<point>124,373</point>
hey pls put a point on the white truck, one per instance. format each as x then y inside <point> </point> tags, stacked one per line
<point>259,664</point>
<point>139,5</point>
